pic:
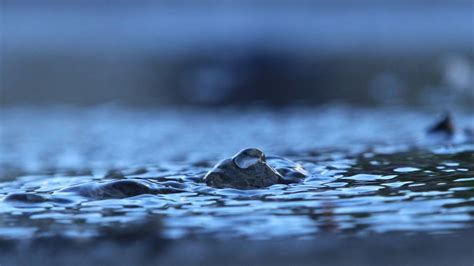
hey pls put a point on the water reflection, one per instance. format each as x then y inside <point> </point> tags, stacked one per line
<point>366,186</point>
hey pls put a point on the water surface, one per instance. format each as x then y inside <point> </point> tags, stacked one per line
<point>370,172</point>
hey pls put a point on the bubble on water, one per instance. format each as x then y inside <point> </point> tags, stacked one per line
<point>290,171</point>
<point>248,157</point>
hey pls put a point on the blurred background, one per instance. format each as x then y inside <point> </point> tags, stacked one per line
<point>213,53</point>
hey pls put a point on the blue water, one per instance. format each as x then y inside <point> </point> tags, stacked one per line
<point>370,171</point>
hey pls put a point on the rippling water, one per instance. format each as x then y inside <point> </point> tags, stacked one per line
<point>77,172</point>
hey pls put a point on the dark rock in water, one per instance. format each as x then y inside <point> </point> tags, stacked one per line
<point>445,126</point>
<point>25,198</point>
<point>114,174</point>
<point>32,198</point>
<point>112,190</point>
<point>246,170</point>
<point>249,169</point>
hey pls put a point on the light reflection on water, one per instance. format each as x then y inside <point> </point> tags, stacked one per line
<point>369,172</point>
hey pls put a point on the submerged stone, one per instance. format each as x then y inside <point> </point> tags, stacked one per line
<point>114,174</point>
<point>444,126</point>
<point>249,169</point>
<point>445,130</point>
<point>112,190</point>
<point>25,198</point>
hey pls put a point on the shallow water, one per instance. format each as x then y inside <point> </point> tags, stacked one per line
<point>76,172</point>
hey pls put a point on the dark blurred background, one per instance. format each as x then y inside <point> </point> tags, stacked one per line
<point>156,53</point>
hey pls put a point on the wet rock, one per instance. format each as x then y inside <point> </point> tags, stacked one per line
<point>32,198</point>
<point>114,174</point>
<point>445,130</point>
<point>112,190</point>
<point>249,169</point>
<point>25,198</point>
<point>444,126</point>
